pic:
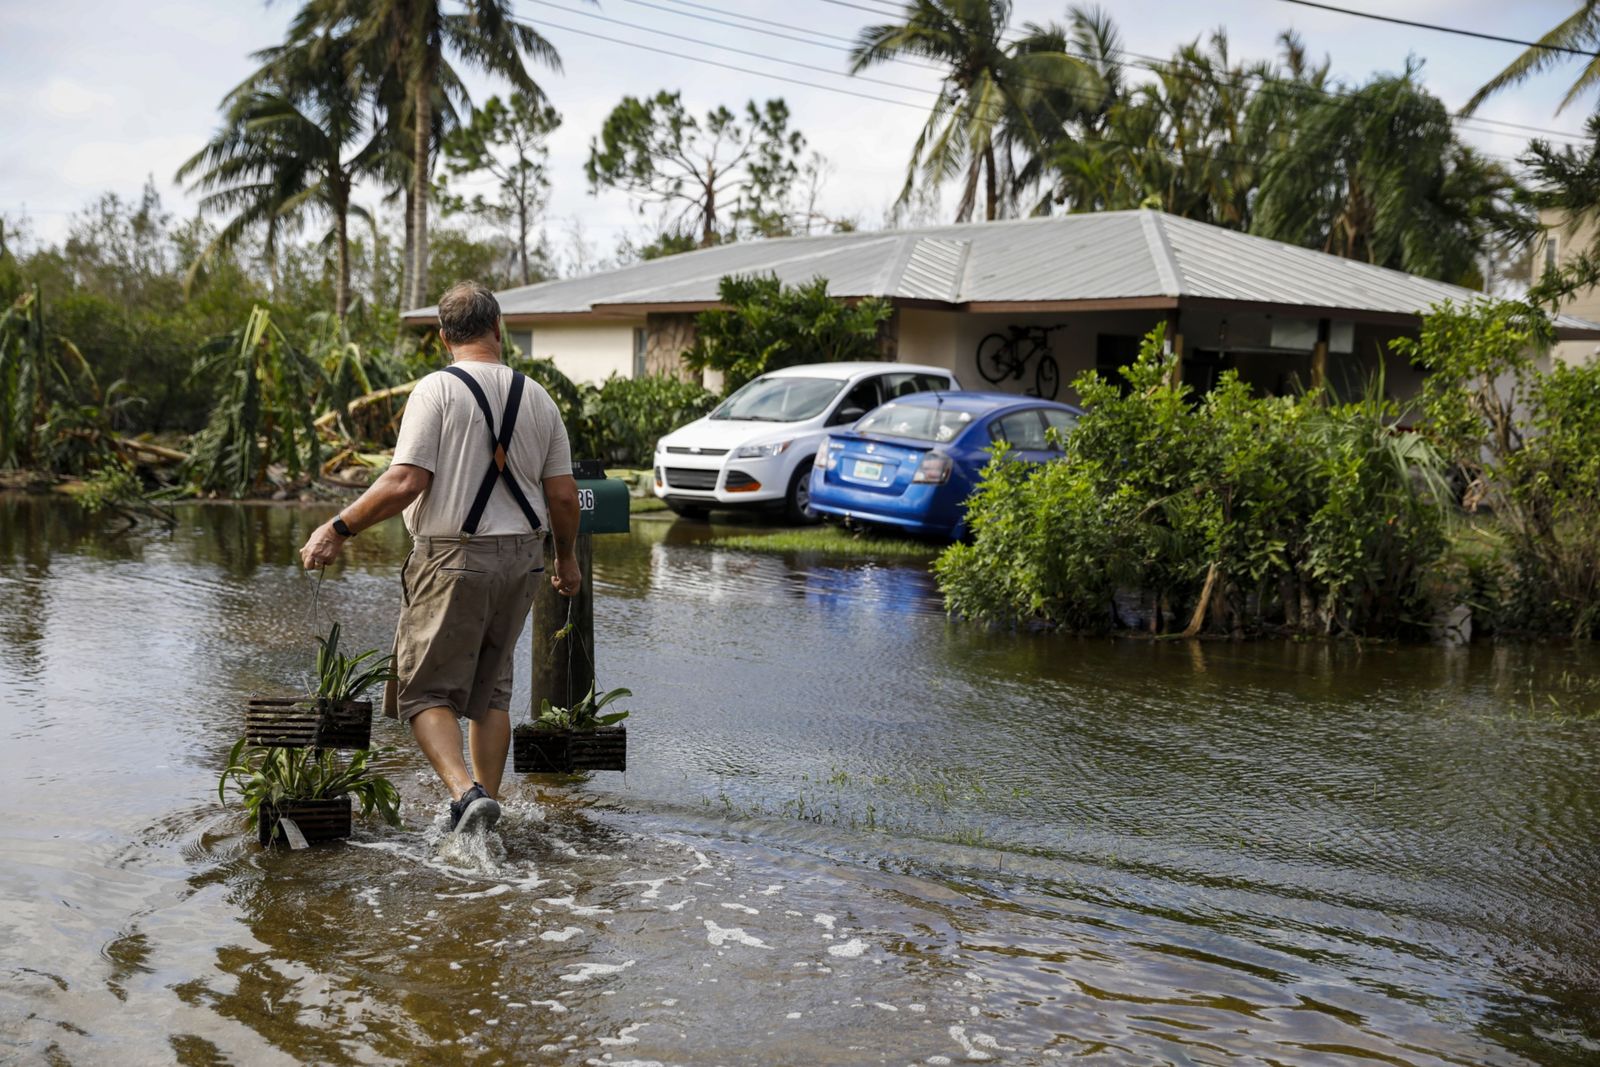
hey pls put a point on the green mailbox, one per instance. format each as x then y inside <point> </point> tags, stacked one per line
<point>602,501</point>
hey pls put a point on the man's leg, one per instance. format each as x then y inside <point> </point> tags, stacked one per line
<point>439,736</point>
<point>489,738</point>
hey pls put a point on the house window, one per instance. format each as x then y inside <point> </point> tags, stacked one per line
<point>641,344</point>
<point>1552,253</point>
<point>523,340</point>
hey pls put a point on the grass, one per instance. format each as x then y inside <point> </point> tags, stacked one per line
<point>637,504</point>
<point>825,541</point>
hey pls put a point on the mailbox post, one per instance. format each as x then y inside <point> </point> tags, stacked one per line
<point>562,670</point>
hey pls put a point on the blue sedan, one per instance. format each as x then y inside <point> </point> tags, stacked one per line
<point>912,462</point>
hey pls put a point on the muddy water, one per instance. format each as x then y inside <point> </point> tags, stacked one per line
<point>852,833</point>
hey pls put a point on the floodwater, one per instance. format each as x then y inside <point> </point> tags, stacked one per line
<point>852,833</point>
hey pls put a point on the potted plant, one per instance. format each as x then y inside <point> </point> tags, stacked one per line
<point>333,717</point>
<point>579,738</point>
<point>313,787</point>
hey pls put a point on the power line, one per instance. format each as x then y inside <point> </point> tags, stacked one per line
<point>1443,29</point>
<point>1216,154</point>
<point>1340,99</point>
<point>1140,61</point>
<point>736,51</point>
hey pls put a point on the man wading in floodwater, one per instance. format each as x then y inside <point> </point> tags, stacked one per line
<point>481,467</point>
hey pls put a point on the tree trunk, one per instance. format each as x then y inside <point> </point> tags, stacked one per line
<point>421,157</point>
<point>991,204</point>
<point>708,217</point>
<point>341,237</point>
<point>969,195</point>
<point>403,294</point>
<point>522,239</point>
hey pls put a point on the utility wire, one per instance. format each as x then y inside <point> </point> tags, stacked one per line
<point>1141,61</point>
<point>1442,29</point>
<point>1088,99</point>
<point>1216,154</point>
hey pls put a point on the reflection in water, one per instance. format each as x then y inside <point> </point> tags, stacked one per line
<point>852,832</point>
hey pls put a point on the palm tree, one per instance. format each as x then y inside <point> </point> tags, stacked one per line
<point>407,43</point>
<point>991,91</point>
<point>1379,175</point>
<point>1578,32</point>
<point>294,141</point>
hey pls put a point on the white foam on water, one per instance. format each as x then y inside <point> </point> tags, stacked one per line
<point>680,905</point>
<point>939,1061</point>
<point>740,907</point>
<point>885,1007</point>
<point>572,905</point>
<point>669,1002</point>
<point>606,1061</point>
<point>492,891</point>
<point>701,863</point>
<point>718,936</point>
<point>849,950</point>
<point>587,971</point>
<point>454,966</point>
<point>554,1005</point>
<point>565,934</point>
<point>824,921</point>
<point>917,1008</point>
<point>971,1045</point>
<point>624,1036</point>
<point>772,890</point>
<point>655,885</point>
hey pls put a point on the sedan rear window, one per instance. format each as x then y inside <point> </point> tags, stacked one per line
<point>916,421</point>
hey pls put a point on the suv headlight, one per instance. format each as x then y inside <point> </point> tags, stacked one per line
<point>760,451</point>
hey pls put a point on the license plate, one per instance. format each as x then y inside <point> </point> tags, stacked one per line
<point>865,469</point>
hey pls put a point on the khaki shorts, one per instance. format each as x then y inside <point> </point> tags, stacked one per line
<point>462,608</point>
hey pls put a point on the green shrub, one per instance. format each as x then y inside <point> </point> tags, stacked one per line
<point>1526,445</point>
<point>625,417</point>
<point>765,325</point>
<point>1234,513</point>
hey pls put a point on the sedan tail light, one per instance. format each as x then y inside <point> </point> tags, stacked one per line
<point>934,470</point>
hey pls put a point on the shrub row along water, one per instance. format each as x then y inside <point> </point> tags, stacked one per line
<point>1235,513</point>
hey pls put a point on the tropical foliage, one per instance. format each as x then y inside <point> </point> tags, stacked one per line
<point>584,715</point>
<point>266,777</point>
<point>1233,514</point>
<point>764,324</point>
<point>342,678</point>
<point>1527,446</point>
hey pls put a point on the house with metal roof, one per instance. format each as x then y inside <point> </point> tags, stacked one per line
<point>1088,287</point>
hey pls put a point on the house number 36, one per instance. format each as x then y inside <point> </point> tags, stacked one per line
<point>585,499</point>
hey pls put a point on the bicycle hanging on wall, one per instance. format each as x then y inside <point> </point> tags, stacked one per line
<point>1002,356</point>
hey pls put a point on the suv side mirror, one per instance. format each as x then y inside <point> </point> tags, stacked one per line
<point>848,413</point>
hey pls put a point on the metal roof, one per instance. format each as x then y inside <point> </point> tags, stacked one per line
<point>1133,258</point>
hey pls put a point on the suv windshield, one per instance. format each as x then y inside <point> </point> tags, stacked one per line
<point>780,399</point>
<point>916,421</point>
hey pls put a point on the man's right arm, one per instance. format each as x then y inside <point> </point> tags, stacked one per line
<point>561,497</point>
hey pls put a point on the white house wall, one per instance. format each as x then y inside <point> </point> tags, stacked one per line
<point>583,350</point>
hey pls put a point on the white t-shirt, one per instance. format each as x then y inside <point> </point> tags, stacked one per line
<point>442,430</point>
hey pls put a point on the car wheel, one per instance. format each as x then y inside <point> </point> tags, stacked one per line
<point>698,512</point>
<point>797,504</point>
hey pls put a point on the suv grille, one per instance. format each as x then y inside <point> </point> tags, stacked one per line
<point>679,450</point>
<point>688,478</point>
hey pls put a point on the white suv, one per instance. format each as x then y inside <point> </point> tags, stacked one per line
<point>756,448</point>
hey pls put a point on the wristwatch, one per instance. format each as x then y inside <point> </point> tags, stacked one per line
<point>341,527</point>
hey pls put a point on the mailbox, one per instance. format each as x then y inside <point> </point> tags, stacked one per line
<point>602,501</point>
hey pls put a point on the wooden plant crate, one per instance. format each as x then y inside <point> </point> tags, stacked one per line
<point>304,722</point>
<point>536,751</point>
<point>319,820</point>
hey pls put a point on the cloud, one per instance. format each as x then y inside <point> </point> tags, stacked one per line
<point>68,98</point>
<point>124,164</point>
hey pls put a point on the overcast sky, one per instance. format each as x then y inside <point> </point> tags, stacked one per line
<point>97,96</point>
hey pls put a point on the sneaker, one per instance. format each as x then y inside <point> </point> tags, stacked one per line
<point>476,810</point>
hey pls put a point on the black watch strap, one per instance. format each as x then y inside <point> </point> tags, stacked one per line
<point>342,528</point>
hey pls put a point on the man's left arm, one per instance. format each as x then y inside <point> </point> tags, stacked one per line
<point>387,497</point>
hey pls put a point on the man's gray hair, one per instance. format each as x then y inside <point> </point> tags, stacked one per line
<point>467,311</point>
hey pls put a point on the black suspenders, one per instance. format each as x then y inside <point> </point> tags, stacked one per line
<point>499,468</point>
